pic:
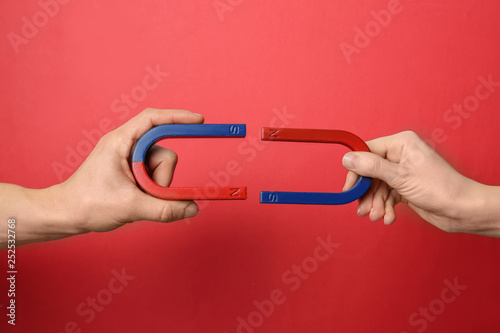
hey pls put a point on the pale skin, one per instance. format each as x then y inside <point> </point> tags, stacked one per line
<point>102,194</point>
<point>405,169</point>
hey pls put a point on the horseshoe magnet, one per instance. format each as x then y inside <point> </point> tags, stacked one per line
<point>319,136</point>
<point>184,131</point>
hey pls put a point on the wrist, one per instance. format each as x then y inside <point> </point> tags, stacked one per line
<point>481,210</point>
<point>62,217</point>
<point>44,216</point>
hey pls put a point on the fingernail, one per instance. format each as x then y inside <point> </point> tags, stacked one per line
<point>359,210</point>
<point>190,211</point>
<point>350,161</point>
<point>371,212</point>
<point>198,114</point>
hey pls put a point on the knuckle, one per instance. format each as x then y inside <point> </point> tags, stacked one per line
<point>172,157</point>
<point>107,138</point>
<point>144,114</point>
<point>404,173</point>
<point>412,141</point>
<point>111,141</point>
<point>374,165</point>
<point>163,154</point>
<point>410,135</point>
<point>167,213</point>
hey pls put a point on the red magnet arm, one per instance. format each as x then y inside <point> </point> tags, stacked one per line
<point>314,135</point>
<point>184,193</point>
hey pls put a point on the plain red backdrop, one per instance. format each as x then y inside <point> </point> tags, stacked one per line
<point>243,63</point>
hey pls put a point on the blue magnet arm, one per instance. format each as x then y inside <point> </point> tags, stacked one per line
<point>184,131</point>
<point>318,198</point>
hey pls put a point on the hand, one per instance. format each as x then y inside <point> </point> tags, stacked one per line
<point>405,169</point>
<point>102,194</point>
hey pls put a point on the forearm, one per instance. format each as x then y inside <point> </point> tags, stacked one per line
<point>39,215</point>
<point>483,214</point>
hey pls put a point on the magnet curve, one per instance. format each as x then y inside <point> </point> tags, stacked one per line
<point>319,136</point>
<point>184,131</point>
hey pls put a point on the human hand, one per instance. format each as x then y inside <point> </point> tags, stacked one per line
<point>405,169</point>
<point>103,195</point>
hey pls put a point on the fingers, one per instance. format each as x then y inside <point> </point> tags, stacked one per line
<point>388,162</point>
<point>149,118</point>
<point>390,203</point>
<point>376,202</point>
<point>379,200</point>
<point>350,181</point>
<point>161,164</point>
<point>373,202</point>
<point>385,146</point>
<point>371,165</point>
<point>392,146</point>
<point>366,201</point>
<point>146,207</point>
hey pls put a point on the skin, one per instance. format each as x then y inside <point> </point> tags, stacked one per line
<point>405,169</point>
<point>102,194</point>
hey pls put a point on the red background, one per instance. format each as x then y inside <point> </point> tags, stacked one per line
<point>201,275</point>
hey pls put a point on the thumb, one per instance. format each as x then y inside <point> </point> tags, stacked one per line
<point>146,207</point>
<point>371,165</point>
